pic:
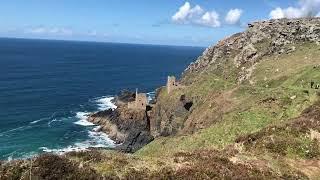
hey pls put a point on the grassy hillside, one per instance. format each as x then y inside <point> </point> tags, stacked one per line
<point>280,91</point>
<point>254,115</point>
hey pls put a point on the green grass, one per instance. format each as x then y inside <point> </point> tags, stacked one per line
<point>287,83</point>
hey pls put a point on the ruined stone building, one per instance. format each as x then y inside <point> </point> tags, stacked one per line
<point>140,103</point>
<point>172,84</point>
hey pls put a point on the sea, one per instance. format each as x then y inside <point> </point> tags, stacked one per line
<point>48,88</point>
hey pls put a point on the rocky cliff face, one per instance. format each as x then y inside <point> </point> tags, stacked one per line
<point>129,128</point>
<point>231,60</point>
<point>260,39</point>
<point>168,117</point>
<point>209,83</point>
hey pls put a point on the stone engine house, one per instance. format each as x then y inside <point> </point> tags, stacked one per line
<point>172,84</point>
<point>140,103</point>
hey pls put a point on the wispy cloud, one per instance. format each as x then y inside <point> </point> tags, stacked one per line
<point>41,30</point>
<point>304,8</point>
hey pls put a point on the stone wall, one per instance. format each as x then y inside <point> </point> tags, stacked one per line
<point>172,84</point>
<point>140,103</point>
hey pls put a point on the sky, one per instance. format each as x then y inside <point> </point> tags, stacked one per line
<point>165,22</point>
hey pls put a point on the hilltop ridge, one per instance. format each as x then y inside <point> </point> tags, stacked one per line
<point>262,38</point>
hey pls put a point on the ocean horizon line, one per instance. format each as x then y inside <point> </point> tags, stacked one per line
<point>98,42</point>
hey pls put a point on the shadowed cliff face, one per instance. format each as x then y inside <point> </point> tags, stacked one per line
<point>168,117</point>
<point>129,128</point>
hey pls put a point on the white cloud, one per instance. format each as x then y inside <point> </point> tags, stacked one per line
<point>304,8</point>
<point>233,16</point>
<point>210,19</point>
<point>49,31</point>
<point>196,16</point>
<point>186,13</point>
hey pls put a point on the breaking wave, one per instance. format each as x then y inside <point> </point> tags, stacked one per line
<point>82,116</point>
<point>96,140</point>
<point>105,103</point>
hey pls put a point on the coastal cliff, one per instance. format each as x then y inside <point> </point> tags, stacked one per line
<point>127,127</point>
<point>248,108</point>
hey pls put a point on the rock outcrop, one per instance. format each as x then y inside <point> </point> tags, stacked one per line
<point>168,118</point>
<point>260,39</point>
<point>129,128</point>
<point>124,97</point>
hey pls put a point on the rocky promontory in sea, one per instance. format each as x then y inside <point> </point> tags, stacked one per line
<point>128,127</point>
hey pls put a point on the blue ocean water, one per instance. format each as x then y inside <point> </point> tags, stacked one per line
<point>47,88</point>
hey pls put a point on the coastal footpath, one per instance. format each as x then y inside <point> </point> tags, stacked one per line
<point>247,108</point>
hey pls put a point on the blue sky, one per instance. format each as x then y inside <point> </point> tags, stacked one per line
<point>171,22</point>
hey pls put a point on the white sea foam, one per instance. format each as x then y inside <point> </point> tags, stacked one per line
<point>96,140</point>
<point>52,121</point>
<point>9,159</point>
<point>100,139</point>
<point>151,96</point>
<point>105,103</point>
<point>39,120</point>
<point>96,129</point>
<point>36,121</point>
<point>83,116</point>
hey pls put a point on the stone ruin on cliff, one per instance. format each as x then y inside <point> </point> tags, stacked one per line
<point>172,84</point>
<point>140,102</point>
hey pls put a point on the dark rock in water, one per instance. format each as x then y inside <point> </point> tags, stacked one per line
<point>129,127</point>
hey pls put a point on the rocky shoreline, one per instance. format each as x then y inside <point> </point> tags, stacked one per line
<point>134,128</point>
<point>127,127</point>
